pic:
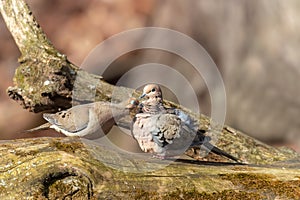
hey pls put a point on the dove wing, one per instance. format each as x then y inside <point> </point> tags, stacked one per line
<point>72,120</point>
<point>167,128</point>
<point>200,139</point>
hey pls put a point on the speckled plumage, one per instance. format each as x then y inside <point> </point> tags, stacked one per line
<point>161,134</point>
<point>167,132</point>
<point>160,131</point>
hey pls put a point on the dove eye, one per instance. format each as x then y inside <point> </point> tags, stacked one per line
<point>153,90</point>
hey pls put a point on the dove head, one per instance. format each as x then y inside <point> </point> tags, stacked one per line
<point>152,91</point>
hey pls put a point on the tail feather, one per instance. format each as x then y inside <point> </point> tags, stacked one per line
<point>41,127</point>
<point>220,152</point>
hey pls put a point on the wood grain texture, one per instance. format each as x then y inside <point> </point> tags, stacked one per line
<point>65,168</point>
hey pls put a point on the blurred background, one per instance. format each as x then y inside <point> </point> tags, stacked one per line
<point>255,44</point>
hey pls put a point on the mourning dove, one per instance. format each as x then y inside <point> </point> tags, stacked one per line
<point>167,132</point>
<point>86,119</point>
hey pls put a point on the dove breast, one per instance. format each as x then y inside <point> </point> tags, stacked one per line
<point>161,134</point>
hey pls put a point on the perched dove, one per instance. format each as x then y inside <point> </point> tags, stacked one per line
<point>86,119</point>
<point>167,132</point>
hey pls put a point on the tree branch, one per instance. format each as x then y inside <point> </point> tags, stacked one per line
<point>56,168</point>
<point>49,168</point>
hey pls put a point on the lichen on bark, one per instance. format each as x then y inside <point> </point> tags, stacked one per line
<point>57,168</point>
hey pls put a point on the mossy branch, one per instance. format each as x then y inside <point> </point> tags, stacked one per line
<point>52,168</point>
<point>61,168</point>
<point>45,80</point>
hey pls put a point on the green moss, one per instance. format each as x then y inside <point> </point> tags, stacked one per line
<point>143,195</point>
<point>193,194</point>
<point>224,195</point>
<point>69,147</point>
<point>265,184</point>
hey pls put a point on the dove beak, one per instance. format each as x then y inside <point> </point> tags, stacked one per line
<point>142,96</point>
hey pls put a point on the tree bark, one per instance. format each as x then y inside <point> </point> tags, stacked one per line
<point>65,168</point>
<point>58,168</point>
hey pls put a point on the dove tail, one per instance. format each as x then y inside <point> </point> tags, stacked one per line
<point>220,152</point>
<point>42,127</point>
